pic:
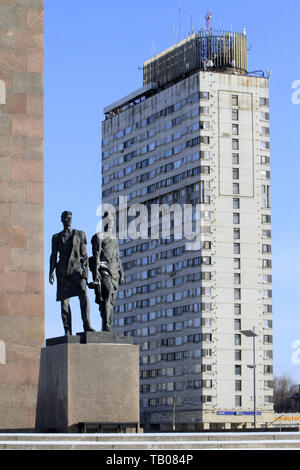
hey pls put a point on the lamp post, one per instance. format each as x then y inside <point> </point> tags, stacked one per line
<point>173,414</point>
<point>174,410</point>
<point>252,334</point>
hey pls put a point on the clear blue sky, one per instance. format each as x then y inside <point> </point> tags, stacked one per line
<point>93,50</point>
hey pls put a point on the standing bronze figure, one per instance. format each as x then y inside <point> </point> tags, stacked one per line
<point>71,271</point>
<point>106,267</point>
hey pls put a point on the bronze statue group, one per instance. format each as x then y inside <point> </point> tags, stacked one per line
<point>72,272</point>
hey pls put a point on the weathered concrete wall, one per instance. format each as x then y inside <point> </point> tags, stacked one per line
<point>21,209</point>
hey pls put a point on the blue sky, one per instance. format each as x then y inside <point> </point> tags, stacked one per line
<point>93,54</point>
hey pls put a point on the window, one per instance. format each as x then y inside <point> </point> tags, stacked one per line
<point>235,144</point>
<point>152,315</point>
<point>237,248</point>
<point>237,263</point>
<point>238,370</point>
<point>268,354</point>
<point>235,129</point>
<point>236,188</point>
<point>268,339</point>
<point>236,233</point>
<point>268,399</point>
<point>264,116</point>
<point>238,385</point>
<point>235,100</point>
<point>204,95</point>
<point>267,308</point>
<point>205,139</point>
<point>204,124</point>
<point>237,278</point>
<point>266,219</point>
<point>237,294</point>
<point>235,114</point>
<point>237,340</point>
<point>236,203</point>
<point>265,159</point>
<point>267,293</point>
<point>203,110</point>
<point>235,173</point>
<point>237,324</point>
<point>238,355</point>
<point>237,309</point>
<point>238,400</point>
<point>235,158</point>
<point>263,102</point>
<point>267,263</point>
<point>268,384</point>
<point>264,145</point>
<point>265,195</point>
<point>153,402</point>
<point>266,248</point>
<point>205,154</point>
<point>121,134</point>
<point>236,218</point>
<point>265,131</point>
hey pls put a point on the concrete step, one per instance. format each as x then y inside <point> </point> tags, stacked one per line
<point>160,445</point>
<point>174,441</point>
<point>149,437</point>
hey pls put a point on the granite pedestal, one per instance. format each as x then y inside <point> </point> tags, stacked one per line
<point>88,380</point>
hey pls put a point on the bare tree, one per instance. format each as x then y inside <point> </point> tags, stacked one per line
<point>286,395</point>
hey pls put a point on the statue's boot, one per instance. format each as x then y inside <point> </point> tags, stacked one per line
<point>87,327</point>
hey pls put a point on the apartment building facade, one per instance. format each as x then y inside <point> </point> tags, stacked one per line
<point>195,137</point>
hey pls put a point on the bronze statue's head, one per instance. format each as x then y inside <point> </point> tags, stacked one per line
<point>66,218</point>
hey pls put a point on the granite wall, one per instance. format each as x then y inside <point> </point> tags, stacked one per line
<point>21,210</point>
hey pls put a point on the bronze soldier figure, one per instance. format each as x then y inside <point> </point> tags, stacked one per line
<point>71,271</point>
<point>106,267</point>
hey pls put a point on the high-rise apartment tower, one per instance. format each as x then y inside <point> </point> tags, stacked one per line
<point>196,135</point>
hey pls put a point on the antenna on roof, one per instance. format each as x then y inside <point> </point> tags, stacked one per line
<point>153,48</point>
<point>173,28</point>
<point>179,19</point>
<point>208,18</point>
<point>191,27</point>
